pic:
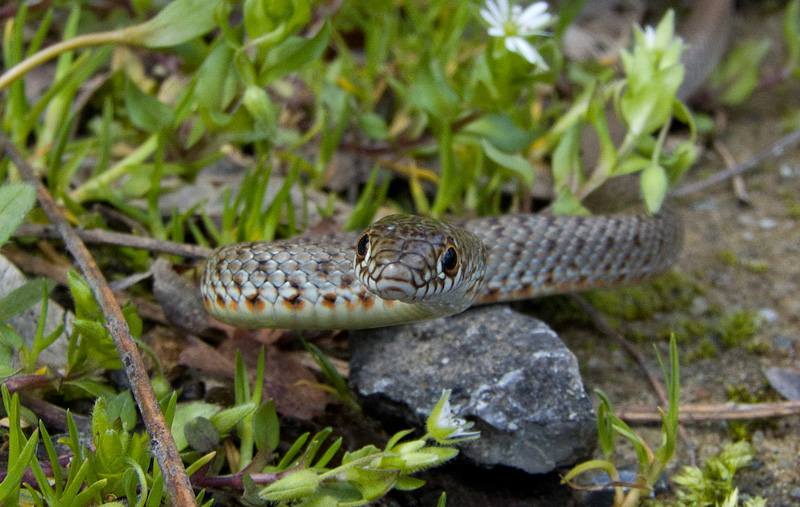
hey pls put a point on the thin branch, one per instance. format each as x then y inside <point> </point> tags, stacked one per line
<point>163,446</point>
<point>713,412</point>
<point>775,150</point>
<point>101,237</point>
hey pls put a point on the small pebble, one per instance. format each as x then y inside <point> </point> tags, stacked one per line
<point>782,342</point>
<point>767,223</point>
<point>789,171</point>
<point>768,314</point>
<point>705,205</point>
<point>746,219</point>
<point>699,306</point>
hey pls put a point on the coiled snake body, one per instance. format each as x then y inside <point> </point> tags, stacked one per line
<point>406,268</point>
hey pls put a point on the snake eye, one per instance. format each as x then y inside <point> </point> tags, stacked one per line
<point>362,246</point>
<point>450,261</point>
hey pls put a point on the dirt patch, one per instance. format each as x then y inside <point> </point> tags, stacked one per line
<point>745,256</point>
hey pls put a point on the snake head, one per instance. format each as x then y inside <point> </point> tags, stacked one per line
<point>421,261</point>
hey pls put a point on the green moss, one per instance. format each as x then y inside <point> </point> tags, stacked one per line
<point>705,349</point>
<point>706,336</point>
<point>742,394</point>
<point>759,348</point>
<point>791,204</point>
<point>739,327</point>
<point>727,257</point>
<point>757,267</point>
<point>668,293</point>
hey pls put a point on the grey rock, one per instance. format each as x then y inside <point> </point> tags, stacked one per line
<point>509,373</point>
<point>27,322</point>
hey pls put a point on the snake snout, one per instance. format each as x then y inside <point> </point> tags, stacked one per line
<point>396,282</point>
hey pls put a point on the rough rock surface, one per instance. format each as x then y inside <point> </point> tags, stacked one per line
<point>509,373</point>
<point>27,322</point>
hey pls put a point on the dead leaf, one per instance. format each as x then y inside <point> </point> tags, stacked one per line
<point>784,380</point>
<point>290,384</point>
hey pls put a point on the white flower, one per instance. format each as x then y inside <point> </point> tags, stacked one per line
<point>513,24</point>
<point>649,37</point>
<point>445,427</point>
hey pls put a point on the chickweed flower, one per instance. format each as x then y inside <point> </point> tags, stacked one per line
<point>513,24</point>
<point>445,427</point>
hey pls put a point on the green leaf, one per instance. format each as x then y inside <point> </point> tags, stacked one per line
<point>24,296</point>
<point>501,132</point>
<point>123,407</point>
<point>371,483</point>
<point>266,427</point>
<point>178,22</point>
<point>634,163</point>
<point>215,79</point>
<point>738,74</point>
<point>227,419</point>
<point>145,111</point>
<point>433,94</point>
<point>202,435</point>
<point>18,465</point>
<point>567,204</point>
<point>296,486</point>
<point>294,53</point>
<point>566,160</point>
<point>274,19</point>
<point>100,420</point>
<point>647,107</point>
<point>514,163</point>
<point>654,187</point>
<point>184,414</point>
<point>791,32</point>
<point>374,126</point>
<point>85,305</point>
<point>16,200</point>
<point>407,483</point>
<point>363,212</point>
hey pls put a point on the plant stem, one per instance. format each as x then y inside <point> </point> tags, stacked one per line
<point>116,171</point>
<point>38,58</point>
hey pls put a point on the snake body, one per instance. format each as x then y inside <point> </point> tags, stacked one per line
<point>315,284</point>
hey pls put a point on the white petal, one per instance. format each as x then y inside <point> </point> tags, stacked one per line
<point>496,31</point>
<point>524,49</point>
<point>531,22</point>
<point>497,16</point>
<point>489,17</point>
<point>650,36</point>
<point>534,10</point>
<point>502,6</point>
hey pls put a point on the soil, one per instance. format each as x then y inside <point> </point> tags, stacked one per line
<point>744,256</point>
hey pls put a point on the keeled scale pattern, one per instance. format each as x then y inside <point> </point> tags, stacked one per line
<point>294,284</point>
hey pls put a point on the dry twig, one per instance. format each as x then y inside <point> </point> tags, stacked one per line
<point>163,446</point>
<point>775,150</point>
<point>713,411</point>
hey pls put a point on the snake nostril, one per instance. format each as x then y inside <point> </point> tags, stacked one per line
<point>362,246</point>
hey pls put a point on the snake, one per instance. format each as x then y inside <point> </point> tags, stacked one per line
<point>407,268</point>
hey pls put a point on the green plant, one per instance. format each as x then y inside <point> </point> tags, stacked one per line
<point>651,463</point>
<point>712,485</point>
<point>460,117</point>
<point>363,475</point>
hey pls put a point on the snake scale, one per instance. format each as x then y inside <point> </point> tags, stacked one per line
<point>406,268</point>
